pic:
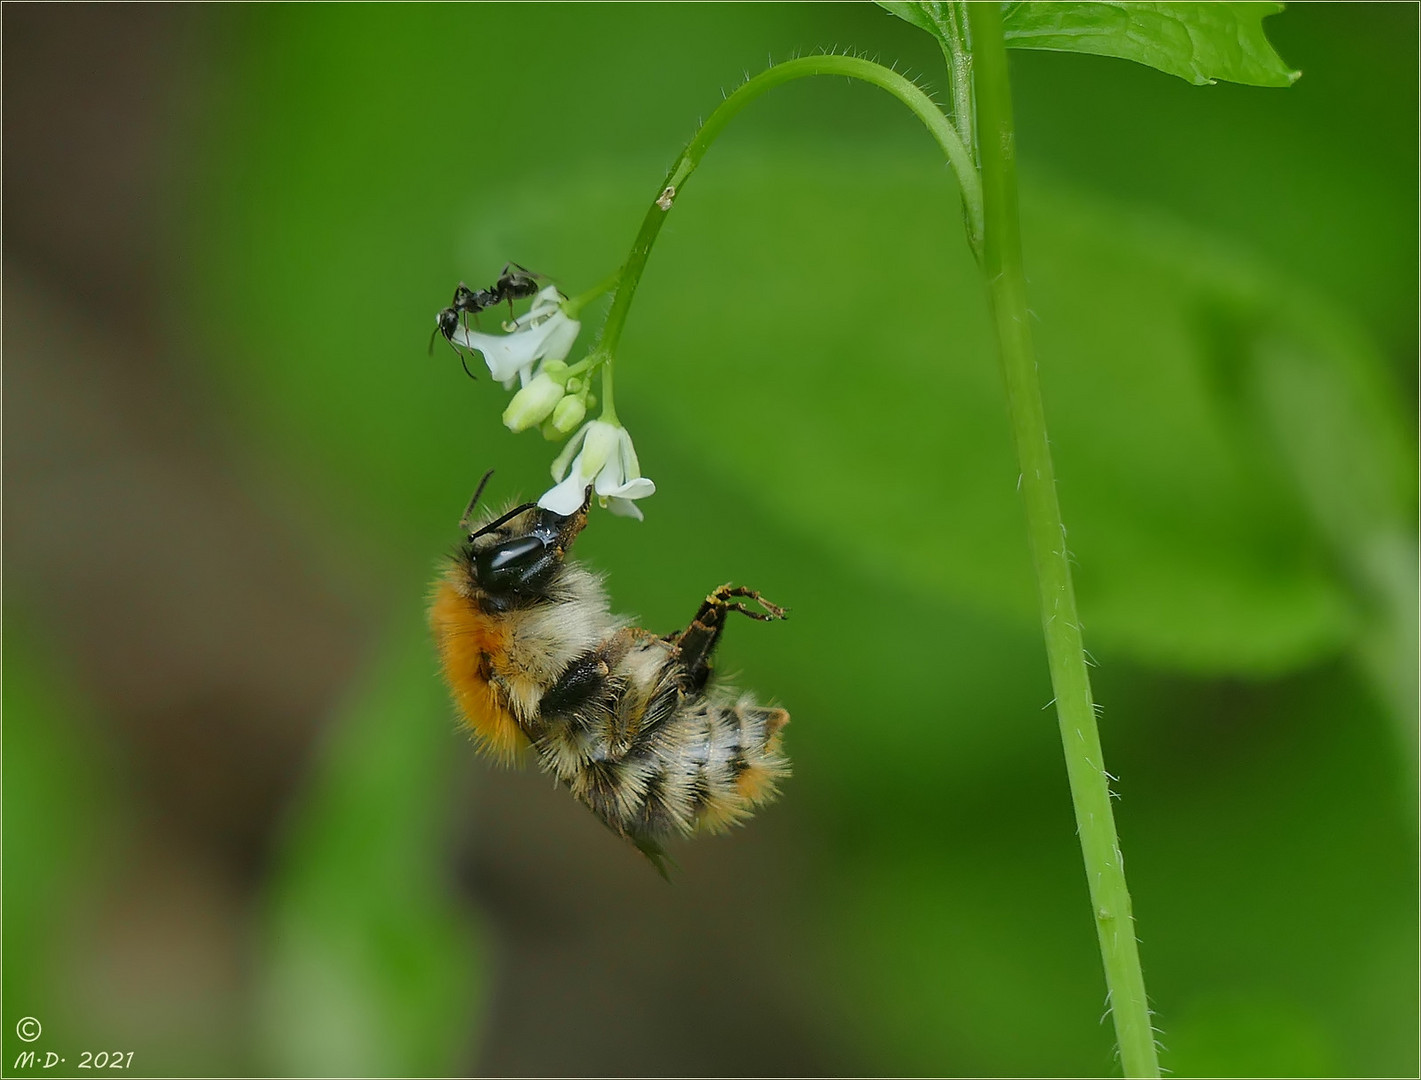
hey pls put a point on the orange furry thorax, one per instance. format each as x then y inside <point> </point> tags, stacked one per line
<point>471,646</point>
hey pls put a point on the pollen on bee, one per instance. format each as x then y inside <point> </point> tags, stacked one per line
<point>468,641</point>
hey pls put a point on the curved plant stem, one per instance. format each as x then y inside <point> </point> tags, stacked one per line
<point>573,308</point>
<point>905,90</point>
<point>1090,783</point>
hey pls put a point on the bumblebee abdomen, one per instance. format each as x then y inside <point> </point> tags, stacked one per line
<point>728,762</point>
<point>707,764</point>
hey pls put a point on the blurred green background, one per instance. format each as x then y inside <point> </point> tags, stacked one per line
<point>242,832</point>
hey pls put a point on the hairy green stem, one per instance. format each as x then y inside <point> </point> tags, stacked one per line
<point>573,308</point>
<point>905,90</point>
<point>1085,767</point>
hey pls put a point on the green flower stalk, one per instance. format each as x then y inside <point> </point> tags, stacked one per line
<point>1003,270</point>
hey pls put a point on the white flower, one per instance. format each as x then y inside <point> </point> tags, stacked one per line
<point>544,333</point>
<point>606,460</point>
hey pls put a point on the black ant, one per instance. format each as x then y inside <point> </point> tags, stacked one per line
<point>514,283</point>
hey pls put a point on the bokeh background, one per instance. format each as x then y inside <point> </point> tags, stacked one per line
<point>242,831</point>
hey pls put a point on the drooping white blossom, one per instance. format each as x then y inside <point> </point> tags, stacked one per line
<point>544,333</point>
<point>600,454</point>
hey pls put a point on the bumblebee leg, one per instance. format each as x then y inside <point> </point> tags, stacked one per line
<point>771,612</point>
<point>586,685</point>
<point>696,644</point>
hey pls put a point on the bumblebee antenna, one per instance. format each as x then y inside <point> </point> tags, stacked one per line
<point>468,510</point>
<point>506,517</point>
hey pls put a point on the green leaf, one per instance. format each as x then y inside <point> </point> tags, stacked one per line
<point>1198,42</point>
<point>920,15</point>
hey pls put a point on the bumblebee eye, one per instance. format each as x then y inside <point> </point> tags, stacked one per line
<point>511,563</point>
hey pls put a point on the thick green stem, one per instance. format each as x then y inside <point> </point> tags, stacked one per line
<point>1090,783</point>
<point>905,90</point>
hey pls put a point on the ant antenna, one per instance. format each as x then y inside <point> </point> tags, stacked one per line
<point>441,326</point>
<point>463,359</point>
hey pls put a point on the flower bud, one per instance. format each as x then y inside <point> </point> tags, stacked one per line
<point>532,404</point>
<point>566,418</point>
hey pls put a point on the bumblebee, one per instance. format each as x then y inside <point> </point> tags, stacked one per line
<point>632,723</point>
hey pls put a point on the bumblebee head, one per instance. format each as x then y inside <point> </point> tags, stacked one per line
<point>514,558</point>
